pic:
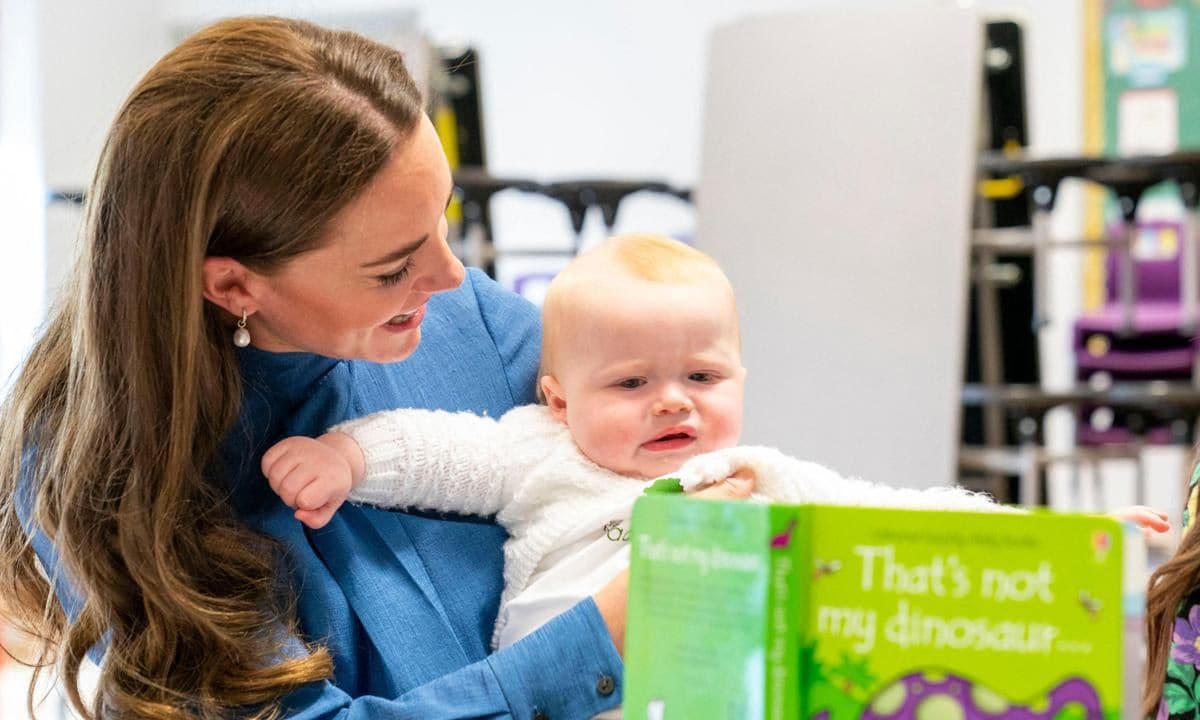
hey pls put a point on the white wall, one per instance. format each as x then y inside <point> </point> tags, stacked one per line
<point>22,256</point>
<point>570,89</point>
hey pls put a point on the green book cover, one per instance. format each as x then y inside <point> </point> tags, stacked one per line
<point>747,611</point>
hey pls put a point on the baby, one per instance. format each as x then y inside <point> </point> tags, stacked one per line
<point>641,377</point>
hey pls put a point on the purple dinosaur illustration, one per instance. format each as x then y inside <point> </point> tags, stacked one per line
<point>784,538</point>
<point>930,696</point>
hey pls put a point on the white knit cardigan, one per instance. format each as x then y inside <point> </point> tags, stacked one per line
<point>524,468</point>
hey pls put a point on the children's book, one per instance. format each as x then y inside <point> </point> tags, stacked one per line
<point>743,611</point>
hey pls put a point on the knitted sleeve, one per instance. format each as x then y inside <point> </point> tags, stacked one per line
<point>785,479</point>
<point>437,460</point>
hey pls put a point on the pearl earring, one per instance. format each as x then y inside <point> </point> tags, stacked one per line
<point>241,336</point>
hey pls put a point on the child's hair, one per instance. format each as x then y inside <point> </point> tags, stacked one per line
<point>655,258</point>
<point>1169,585</point>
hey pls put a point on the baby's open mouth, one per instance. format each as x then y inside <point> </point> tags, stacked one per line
<point>673,440</point>
<point>672,436</point>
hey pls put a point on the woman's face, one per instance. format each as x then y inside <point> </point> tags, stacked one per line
<point>362,294</point>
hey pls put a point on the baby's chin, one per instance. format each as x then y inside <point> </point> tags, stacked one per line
<point>665,467</point>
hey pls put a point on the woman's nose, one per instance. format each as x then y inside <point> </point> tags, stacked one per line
<point>446,273</point>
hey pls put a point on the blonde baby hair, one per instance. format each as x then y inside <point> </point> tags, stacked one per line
<point>643,256</point>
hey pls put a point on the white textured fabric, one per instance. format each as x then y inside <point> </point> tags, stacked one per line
<point>524,468</point>
<point>781,478</point>
<point>559,507</point>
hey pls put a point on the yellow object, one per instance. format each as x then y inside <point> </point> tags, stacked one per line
<point>446,124</point>
<point>1001,188</point>
<point>1098,345</point>
<point>1168,243</point>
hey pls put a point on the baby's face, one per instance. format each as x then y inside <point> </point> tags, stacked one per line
<point>650,376</point>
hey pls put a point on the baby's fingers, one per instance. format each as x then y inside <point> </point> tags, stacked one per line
<point>290,486</point>
<point>315,495</point>
<point>738,486</point>
<point>275,461</point>
<point>317,519</point>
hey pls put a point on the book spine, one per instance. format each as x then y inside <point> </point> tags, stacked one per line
<point>803,639</point>
<point>782,652</point>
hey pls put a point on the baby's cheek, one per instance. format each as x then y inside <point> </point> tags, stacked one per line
<point>728,429</point>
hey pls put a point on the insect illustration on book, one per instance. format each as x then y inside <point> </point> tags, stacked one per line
<point>1093,605</point>
<point>821,568</point>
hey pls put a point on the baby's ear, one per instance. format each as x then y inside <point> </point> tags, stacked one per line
<point>555,400</point>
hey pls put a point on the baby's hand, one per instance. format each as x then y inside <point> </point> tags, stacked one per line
<point>1148,519</point>
<point>761,466</point>
<point>309,475</point>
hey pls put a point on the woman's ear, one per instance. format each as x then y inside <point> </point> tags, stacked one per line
<point>555,400</point>
<point>230,285</point>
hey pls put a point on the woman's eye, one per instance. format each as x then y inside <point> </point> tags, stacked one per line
<point>702,377</point>
<point>393,278</point>
<point>631,383</point>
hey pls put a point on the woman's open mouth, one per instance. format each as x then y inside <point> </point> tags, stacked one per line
<point>405,321</point>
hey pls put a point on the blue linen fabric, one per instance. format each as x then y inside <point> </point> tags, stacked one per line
<point>405,601</point>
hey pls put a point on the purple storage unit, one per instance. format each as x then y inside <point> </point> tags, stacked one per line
<point>1156,349</point>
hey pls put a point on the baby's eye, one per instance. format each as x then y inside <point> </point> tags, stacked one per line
<point>631,383</point>
<point>703,377</point>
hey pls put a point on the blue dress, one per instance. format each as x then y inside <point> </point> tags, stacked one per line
<point>405,601</point>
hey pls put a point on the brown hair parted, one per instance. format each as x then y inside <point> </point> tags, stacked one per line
<point>1170,584</point>
<point>242,142</point>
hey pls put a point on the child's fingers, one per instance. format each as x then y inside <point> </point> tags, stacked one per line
<point>290,486</point>
<point>271,457</point>
<point>281,466</point>
<point>738,486</point>
<point>313,496</point>
<point>1157,522</point>
<point>311,518</point>
<point>1144,517</point>
<point>316,519</point>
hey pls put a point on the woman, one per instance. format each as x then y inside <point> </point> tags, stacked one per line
<point>273,185</point>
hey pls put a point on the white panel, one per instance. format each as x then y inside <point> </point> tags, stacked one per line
<point>22,196</point>
<point>836,178</point>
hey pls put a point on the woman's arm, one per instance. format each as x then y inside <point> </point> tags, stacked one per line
<point>554,670</point>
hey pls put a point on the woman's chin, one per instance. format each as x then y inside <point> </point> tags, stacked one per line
<point>395,349</point>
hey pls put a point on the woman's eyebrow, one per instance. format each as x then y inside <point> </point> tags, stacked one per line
<point>399,253</point>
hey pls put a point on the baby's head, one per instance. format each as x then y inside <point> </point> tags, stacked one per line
<point>641,355</point>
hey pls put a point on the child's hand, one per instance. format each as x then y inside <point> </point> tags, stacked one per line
<point>313,476</point>
<point>1148,519</point>
<point>722,466</point>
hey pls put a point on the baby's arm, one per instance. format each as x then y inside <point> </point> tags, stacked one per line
<point>431,459</point>
<point>785,479</point>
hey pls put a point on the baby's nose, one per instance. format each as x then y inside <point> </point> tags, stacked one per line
<point>672,400</point>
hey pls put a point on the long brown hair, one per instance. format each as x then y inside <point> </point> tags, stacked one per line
<point>1169,585</point>
<point>242,142</point>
